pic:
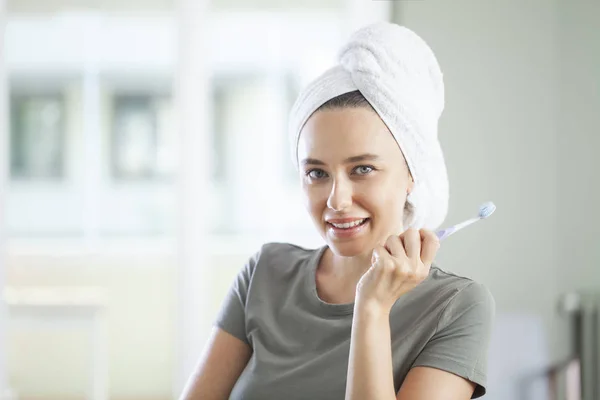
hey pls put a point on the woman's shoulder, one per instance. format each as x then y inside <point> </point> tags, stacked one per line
<point>439,276</point>
<point>277,251</point>
<point>285,248</point>
<point>447,294</point>
<point>459,292</point>
<point>282,256</point>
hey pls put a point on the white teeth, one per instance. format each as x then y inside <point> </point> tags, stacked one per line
<point>348,224</point>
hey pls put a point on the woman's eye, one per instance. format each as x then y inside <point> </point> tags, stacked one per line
<point>363,169</point>
<point>316,174</point>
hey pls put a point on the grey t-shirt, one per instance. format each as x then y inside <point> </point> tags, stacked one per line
<point>301,344</point>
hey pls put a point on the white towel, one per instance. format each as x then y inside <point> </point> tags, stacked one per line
<point>397,72</point>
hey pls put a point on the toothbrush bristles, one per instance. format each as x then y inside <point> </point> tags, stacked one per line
<point>486,209</point>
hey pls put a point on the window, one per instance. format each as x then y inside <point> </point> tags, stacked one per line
<point>37,137</point>
<point>219,142</point>
<point>143,144</point>
<point>292,88</point>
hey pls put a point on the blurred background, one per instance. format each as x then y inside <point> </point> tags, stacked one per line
<point>144,158</point>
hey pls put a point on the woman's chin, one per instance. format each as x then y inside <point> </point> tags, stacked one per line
<point>349,249</point>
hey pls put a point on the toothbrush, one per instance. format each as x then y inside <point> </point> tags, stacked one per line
<point>485,210</point>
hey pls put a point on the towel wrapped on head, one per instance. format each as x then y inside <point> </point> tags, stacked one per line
<point>398,74</point>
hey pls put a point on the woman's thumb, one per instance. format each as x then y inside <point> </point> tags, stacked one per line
<point>376,255</point>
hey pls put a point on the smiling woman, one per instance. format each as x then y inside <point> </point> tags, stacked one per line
<point>368,315</point>
<point>353,171</point>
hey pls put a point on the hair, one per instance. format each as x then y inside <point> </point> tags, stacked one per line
<point>355,99</point>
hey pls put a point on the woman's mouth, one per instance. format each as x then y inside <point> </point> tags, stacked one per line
<point>347,229</point>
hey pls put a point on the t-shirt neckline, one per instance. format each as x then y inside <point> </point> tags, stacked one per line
<point>322,307</point>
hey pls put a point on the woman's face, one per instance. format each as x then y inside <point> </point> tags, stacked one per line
<point>354,179</point>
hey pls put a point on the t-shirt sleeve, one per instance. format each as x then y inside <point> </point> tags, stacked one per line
<point>460,344</point>
<point>231,316</point>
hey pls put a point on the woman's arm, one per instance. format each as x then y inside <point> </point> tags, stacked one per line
<point>219,368</point>
<point>370,371</point>
<point>397,268</point>
<point>424,383</point>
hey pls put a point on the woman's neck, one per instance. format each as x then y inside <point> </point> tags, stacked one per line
<point>337,276</point>
<point>345,267</point>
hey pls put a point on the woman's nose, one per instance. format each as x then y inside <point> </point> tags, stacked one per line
<point>340,197</point>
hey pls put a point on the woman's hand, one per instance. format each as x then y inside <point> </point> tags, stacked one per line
<point>396,268</point>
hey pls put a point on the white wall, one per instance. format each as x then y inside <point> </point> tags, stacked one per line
<point>578,132</point>
<point>519,129</point>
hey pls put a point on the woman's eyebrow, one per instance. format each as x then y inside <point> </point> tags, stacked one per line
<point>362,157</point>
<point>312,161</point>
<point>353,159</point>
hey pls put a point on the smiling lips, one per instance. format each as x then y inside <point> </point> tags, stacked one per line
<point>346,227</point>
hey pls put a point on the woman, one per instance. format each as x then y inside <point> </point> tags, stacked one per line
<point>366,316</point>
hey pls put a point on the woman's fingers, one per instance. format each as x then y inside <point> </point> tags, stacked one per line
<point>409,253</point>
<point>417,246</point>
<point>412,244</point>
<point>398,266</point>
<point>430,245</point>
<point>394,246</point>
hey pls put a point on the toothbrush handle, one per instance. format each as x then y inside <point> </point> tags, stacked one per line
<point>444,233</point>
